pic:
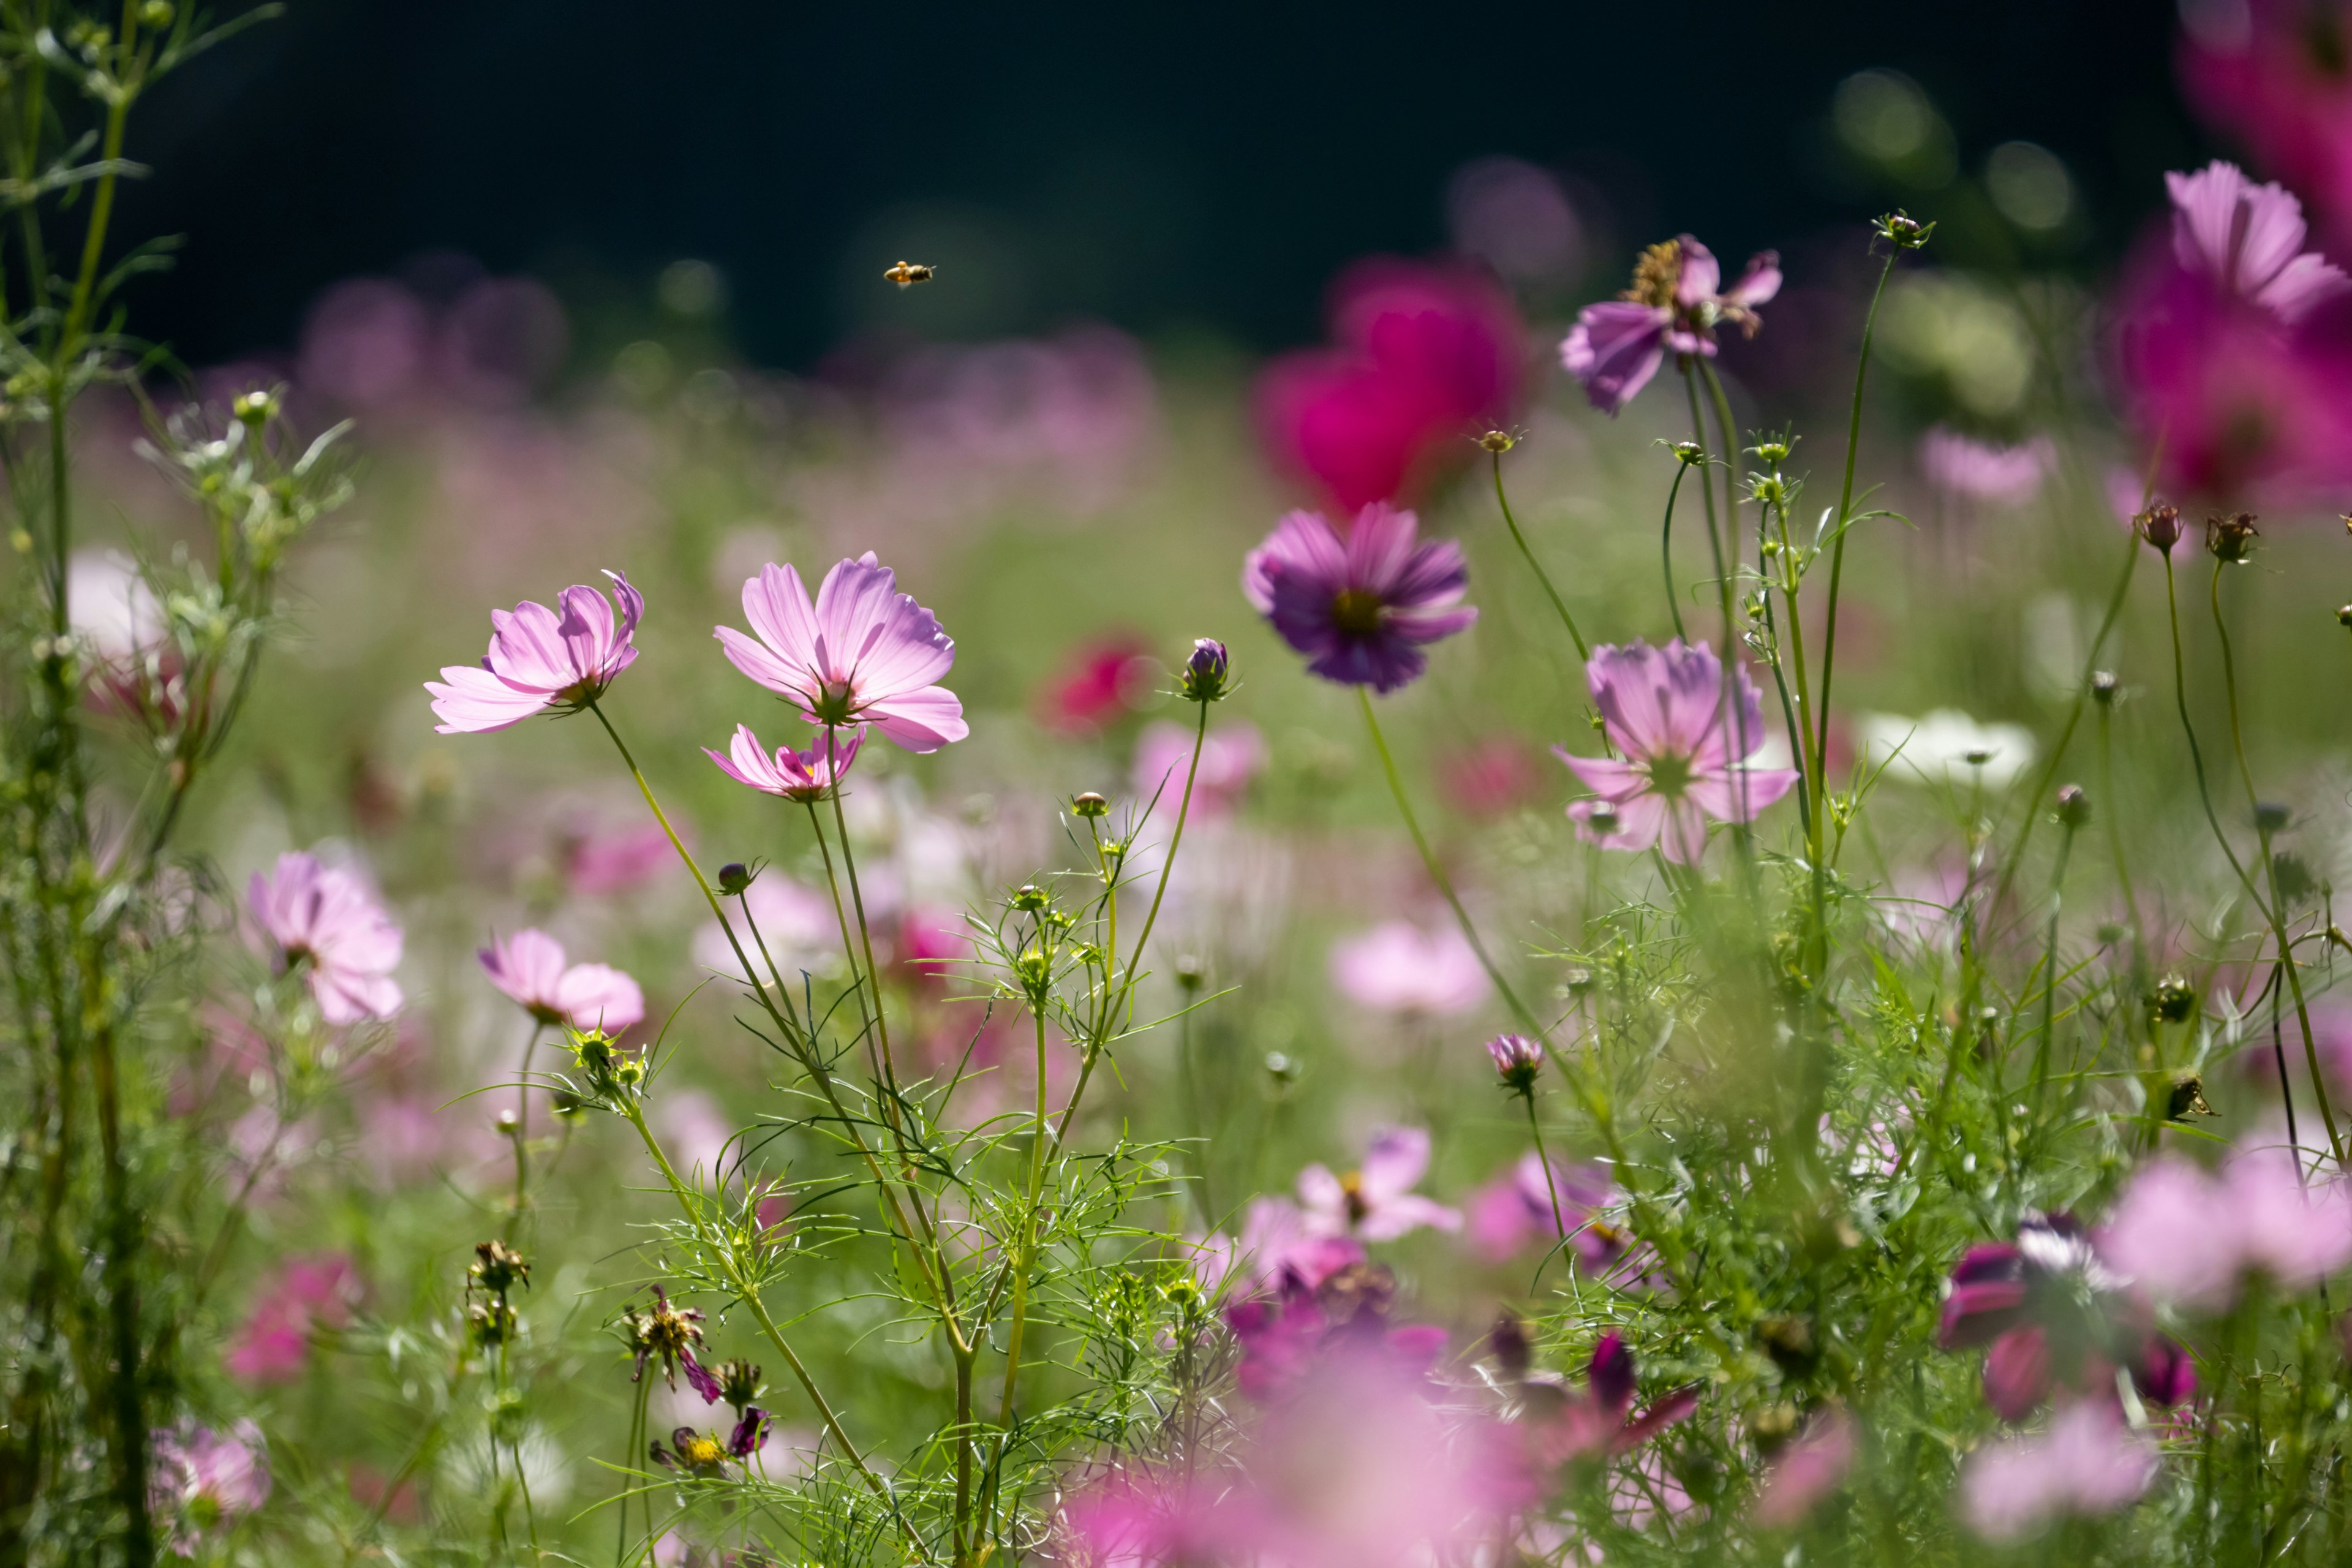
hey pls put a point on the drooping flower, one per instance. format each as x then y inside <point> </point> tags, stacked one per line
<point>529,966</point>
<point>1399,968</point>
<point>2247,241</point>
<point>1424,355</point>
<point>328,921</point>
<point>805,777</point>
<point>1677,301</point>
<point>541,662</point>
<point>2087,1463</point>
<point>2189,1238</point>
<point>1979,470</point>
<point>1682,763</point>
<point>863,653</point>
<point>202,1481</point>
<point>668,1334</point>
<point>2053,1315</point>
<point>1806,1471</point>
<point>1599,1419</point>
<point>1375,1202</point>
<point>1361,607</point>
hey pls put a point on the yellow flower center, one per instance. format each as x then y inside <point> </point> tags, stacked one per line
<point>1657,273</point>
<point>1357,611</point>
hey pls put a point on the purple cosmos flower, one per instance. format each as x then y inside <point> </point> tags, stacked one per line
<point>2189,1238</point>
<point>2087,1463</point>
<point>863,653</point>
<point>1360,608</point>
<point>2053,1315</point>
<point>1515,1209</point>
<point>1376,1203</point>
<point>1616,346</point>
<point>1682,764</point>
<point>203,1479</point>
<point>807,776</point>
<point>2247,240</point>
<point>540,662</point>
<point>328,920</point>
<point>1397,967</point>
<point>529,966</point>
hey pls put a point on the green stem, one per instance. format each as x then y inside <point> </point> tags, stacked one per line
<point>864,933</point>
<point>1667,549</point>
<point>1551,1187</point>
<point>1557,604</point>
<point>1437,872</point>
<point>2050,969</point>
<point>1022,1260</point>
<point>1845,514</point>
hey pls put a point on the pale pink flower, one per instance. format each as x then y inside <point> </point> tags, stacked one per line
<point>2189,1238</point>
<point>804,776</point>
<point>328,921</point>
<point>1232,754</point>
<point>863,653</point>
<point>796,924</point>
<point>1980,470</point>
<point>614,861</point>
<point>2087,1463</point>
<point>699,1136</point>
<point>1676,303</point>
<point>529,966</point>
<point>1806,1471</point>
<point>400,1138</point>
<point>541,662</point>
<point>1397,967</point>
<point>1683,761</point>
<point>1276,1245</point>
<point>2248,240</point>
<point>202,1480</point>
<point>1376,1203</point>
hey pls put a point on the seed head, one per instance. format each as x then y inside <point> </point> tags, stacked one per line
<point>1088,804</point>
<point>2230,539</point>
<point>497,1268</point>
<point>2159,525</point>
<point>2188,1098</point>
<point>2175,998</point>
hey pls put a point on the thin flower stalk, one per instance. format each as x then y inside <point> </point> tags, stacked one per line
<point>1557,604</point>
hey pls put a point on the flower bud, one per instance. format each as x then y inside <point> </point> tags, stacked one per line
<point>2159,525</point>
<point>1207,672</point>
<point>733,878</point>
<point>1281,1069</point>
<point>1088,804</point>
<point>254,407</point>
<point>1518,1059</point>
<point>1191,972</point>
<point>2270,818</point>
<point>1499,441</point>
<point>2230,539</point>
<point>2103,687</point>
<point>1690,452</point>
<point>1029,898</point>
<point>509,1123</point>
<point>2175,998</point>
<point>2343,616</point>
<point>1900,229</point>
<point>1603,820</point>
<point>156,13</point>
<point>2074,807</point>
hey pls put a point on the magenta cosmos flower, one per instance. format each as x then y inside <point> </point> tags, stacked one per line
<point>863,653</point>
<point>793,776</point>
<point>2247,240</point>
<point>1376,1203</point>
<point>1681,763</point>
<point>540,662</point>
<point>1360,608</point>
<point>1677,301</point>
<point>529,966</point>
<point>2271,74</point>
<point>329,922</point>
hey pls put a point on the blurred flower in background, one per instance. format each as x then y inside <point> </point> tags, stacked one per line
<point>2271,74</point>
<point>1984,472</point>
<point>1399,968</point>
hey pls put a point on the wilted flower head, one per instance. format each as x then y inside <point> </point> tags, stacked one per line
<point>1376,1203</point>
<point>805,777</point>
<point>862,653</point>
<point>202,1481</point>
<point>1360,608</point>
<point>668,1334</point>
<point>540,662</point>
<point>1681,762</point>
<point>1677,301</point>
<point>528,967</point>
<point>704,1456</point>
<point>2087,1463</point>
<point>1399,968</point>
<point>327,919</point>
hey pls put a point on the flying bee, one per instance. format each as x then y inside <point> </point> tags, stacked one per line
<point>907,274</point>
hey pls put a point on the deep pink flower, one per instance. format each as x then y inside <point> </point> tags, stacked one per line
<point>1675,303</point>
<point>1376,1203</point>
<point>807,776</point>
<point>2087,1463</point>
<point>540,662</point>
<point>1426,357</point>
<point>1681,762</point>
<point>529,966</point>
<point>2246,240</point>
<point>1361,607</point>
<point>308,1293</point>
<point>1398,967</point>
<point>1979,470</point>
<point>863,653</point>
<point>1599,1419</point>
<point>1106,679</point>
<point>1806,1471</point>
<point>2189,1238</point>
<point>327,919</point>
<point>202,1480</point>
<point>2271,74</point>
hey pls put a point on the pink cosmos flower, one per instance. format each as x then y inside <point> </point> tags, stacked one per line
<point>1230,756</point>
<point>804,776</point>
<point>2087,1463</point>
<point>1376,1203</point>
<point>1599,1419</point>
<point>1275,1250</point>
<point>328,920</point>
<point>863,653</point>
<point>1675,303</point>
<point>309,1292</point>
<point>1979,470</point>
<point>541,662</point>
<point>2189,1238</point>
<point>1516,1209</point>
<point>1398,967</point>
<point>529,966</point>
<point>202,1480</point>
<point>1360,608</point>
<point>2270,74</point>
<point>1682,764</point>
<point>617,859</point>
<point>1425,356</point>
<point>1806,1471</point>
<point>2247,240</point>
